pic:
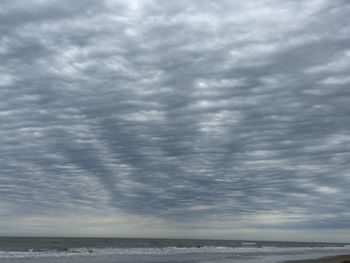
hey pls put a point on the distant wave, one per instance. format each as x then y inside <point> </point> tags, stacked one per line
<point>248,243</point>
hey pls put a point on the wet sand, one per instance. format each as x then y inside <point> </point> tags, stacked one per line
<point>121,259</point>
<point>333,259</point>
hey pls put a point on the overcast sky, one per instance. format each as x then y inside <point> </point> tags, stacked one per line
<point>220,119</point>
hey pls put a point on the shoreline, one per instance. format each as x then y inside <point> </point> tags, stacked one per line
<point>345,258</point>
<point>330,259</point>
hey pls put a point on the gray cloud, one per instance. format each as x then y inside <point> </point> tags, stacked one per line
<point>179,110</point>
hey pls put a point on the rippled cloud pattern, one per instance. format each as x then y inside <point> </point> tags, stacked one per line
<point>177,111</point>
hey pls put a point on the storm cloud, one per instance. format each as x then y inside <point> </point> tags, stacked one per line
<point>178,111</point>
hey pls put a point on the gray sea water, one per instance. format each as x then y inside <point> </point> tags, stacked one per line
<point>167,250</point>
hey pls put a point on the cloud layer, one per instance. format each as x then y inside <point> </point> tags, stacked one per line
<point>178,110</point>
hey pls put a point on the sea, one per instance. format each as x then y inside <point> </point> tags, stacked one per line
<point>142,250</point>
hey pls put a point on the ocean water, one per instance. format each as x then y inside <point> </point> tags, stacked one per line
<point>167,250</point>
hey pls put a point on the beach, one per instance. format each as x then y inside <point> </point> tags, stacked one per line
<point>113,259</point>
<point>333,259</point>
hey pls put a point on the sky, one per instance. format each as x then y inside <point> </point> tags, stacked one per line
<point>203,119</point>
